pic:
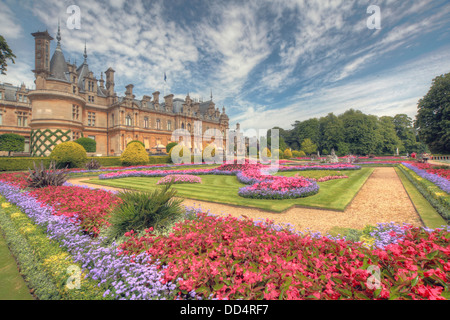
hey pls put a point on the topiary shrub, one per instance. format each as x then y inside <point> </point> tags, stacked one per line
<point>88,144</point>
<point>133,141</point>
<point>180,150</point>
<point>170,146</point>
<point>69,154</point>
<point>287,154</point>
<point>134,154</point>
<point>209,153</point>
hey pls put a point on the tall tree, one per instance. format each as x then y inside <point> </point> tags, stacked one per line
<point>406,132</point>
<point>389,141</point>
<point>331,132</point>
<point>433,117</point>
<point>361,132</point>
<point>5,55</point>
<point>308,146</point>
<point>308,129</point>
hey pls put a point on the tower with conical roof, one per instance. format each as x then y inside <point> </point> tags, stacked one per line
<point>56,109</point>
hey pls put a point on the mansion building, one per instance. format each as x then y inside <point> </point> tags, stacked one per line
<point>69,102</point>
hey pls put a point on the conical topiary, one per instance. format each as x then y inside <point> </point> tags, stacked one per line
<point>134,154</point>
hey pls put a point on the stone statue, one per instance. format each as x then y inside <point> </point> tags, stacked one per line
<point>332,158</point>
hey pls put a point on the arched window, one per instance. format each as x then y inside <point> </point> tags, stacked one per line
<point>189,127</point>
<point>182,125</point>
<point>128,121</point>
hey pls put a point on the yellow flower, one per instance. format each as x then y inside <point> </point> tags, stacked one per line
<point>16,215</point>
<point>6,205</point>
<point>27,229</point>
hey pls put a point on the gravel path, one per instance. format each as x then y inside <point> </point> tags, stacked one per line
<point>381,199</point>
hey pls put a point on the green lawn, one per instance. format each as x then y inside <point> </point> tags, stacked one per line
<point>333,195</point>
<point>12,285</point>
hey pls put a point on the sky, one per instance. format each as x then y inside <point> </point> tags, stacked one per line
<point>269,63</point>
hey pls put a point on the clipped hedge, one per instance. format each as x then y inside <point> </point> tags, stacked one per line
<point>25,163</point>
<point>21,163</point>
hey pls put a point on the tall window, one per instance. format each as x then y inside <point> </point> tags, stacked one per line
<point>91,119</point>
<point>75,112</point>
<point>112,119</point>
<point>1,118</point>
<point>128,121</point>
<point>22,119</point>
<point>158,124</point>
<point>169,125</point>
<point>1,95</point>
<point>146,122</point>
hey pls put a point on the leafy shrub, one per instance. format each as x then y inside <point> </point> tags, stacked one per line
<point>265,153</point>
<point>180,150</point>
<point>41,177</point>
<point>11,142</point>
<point>287,154</point>
<point>170,146</point>
<point>90,145</point>
<point>277,153</point>
<point>134,154</point>
<point>93,164</point>
<point>298,154</point>
<point>69,154</point>
<point>142,210</point>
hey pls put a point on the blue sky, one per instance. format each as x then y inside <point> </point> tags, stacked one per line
<point>268,62</point>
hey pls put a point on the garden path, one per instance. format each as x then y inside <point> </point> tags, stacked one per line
<point>381,199</point>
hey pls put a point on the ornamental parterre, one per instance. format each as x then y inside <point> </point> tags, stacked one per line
<point>212,257</point>
<point>262,184</point>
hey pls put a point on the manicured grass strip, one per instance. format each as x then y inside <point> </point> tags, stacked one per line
<point>12,285</point>
<point>428,214</point>
<point>30,266</point>
<point>333,195</point>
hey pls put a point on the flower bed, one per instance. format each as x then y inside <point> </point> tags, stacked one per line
<point>431,186</point>
<point>440,181</point>
<point>179,179</point>
<point>229,258</point>
<point>433,169</point>
<point>86,206</point>
<point>119,277</point>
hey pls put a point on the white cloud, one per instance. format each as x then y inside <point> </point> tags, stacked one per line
<point>10,27</point>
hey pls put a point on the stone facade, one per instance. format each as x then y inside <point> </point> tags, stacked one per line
<point>70,102</point>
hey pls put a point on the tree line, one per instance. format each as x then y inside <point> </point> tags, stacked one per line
<point>352,132</point>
